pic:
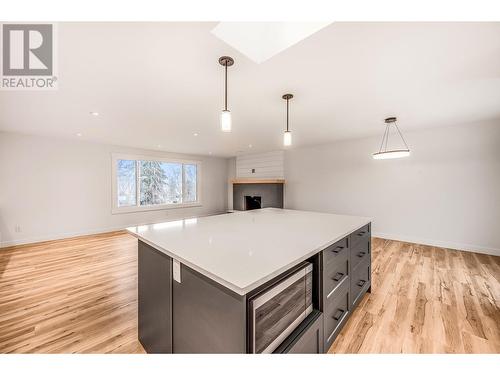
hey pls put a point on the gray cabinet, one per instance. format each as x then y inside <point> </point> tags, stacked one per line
<point>309,340</point>
<point>360,265</point>
<point>337,310</point>
<point>336,289</point>
<point>361,281</point>
<point>207,317</point>
<point>335,275</point>
<point>360,244</point>
<point>338,250</point>
<point>155,300</point>
<point>346,277</point>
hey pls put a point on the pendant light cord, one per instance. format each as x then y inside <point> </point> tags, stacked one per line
<point>386,135</point>
<point>287,114</point>
<point>401,135</point>
<point>225,89</point>
<point>385,138</point>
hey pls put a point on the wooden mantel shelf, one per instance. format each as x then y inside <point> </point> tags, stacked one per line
<point>257,181</point>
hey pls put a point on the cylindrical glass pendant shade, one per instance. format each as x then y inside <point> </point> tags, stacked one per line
<point>287,138</point>
<point>225,121</point>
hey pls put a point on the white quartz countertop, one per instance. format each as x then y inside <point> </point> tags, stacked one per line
<point>243,250</point>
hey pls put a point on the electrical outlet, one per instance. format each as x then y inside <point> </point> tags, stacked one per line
<point>176,271</point>
<point>17,228</point>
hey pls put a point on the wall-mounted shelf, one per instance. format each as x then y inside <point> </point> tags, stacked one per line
<point>257,181</point>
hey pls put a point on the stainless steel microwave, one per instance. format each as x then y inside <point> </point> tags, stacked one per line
<point>279,309</point>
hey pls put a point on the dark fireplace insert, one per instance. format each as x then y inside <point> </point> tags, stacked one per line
<point>252,202</point>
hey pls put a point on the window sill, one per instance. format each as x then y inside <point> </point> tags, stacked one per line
<point>127,210</point>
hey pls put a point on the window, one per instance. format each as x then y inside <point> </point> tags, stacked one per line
<point>144,183</point>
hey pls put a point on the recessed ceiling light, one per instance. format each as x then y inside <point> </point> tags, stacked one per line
<point>195,134</point>
<point>250,146</point>
<point>159,146</point>
<point>94,113</point>
<point>78,134</point>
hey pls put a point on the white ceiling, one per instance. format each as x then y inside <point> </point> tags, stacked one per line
<point>159,83</point>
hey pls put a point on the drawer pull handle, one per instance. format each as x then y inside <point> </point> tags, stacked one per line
<point>338,314</point>
<point>338,249</point>
<point>338,276</point>
<point>361,282</point>
<point>361,254</point>
<point>361,233</point>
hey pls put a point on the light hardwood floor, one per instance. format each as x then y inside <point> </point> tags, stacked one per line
<point>70,296</point>
<point>80,296</point>
<point>426,300</point>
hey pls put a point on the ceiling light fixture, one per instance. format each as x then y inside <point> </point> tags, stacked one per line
<point>195,134</point>
<point>225,117</point>
<point>94,113</point>
<point>287,136</point>
<point>385,153</point>
<point>78,134</point>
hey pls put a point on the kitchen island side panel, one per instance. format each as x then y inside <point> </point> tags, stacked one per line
<point>154,299</point>
<point>207,317</point>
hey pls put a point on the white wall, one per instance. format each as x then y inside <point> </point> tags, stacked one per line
<point>54,188</point>
<point>447,193</point>
<point>265,165</point>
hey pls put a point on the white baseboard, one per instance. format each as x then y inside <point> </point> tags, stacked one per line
<point>61,236</point>
<point>58,236</point>
<point>437,243</point>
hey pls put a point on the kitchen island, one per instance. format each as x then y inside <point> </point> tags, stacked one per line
<point>199,278</point>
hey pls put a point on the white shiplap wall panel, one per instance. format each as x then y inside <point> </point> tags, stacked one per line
<point>266,165</point>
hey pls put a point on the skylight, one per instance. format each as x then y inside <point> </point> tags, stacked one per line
<point>260,41</point>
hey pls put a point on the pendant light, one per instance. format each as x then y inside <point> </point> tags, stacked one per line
<point>287,136</point>
<point>385,153</point>
<point>225,116</point>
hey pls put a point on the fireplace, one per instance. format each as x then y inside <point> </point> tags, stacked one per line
<point>253,202</point>
<point>257,194</point>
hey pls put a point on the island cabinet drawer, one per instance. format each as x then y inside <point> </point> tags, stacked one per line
<point>360,281</point>
<point>334,275</point>
<point>360,252</point>
<point>336,251</point>
<point>308,340</point>
<point>360,235</point>
<point>335,315</point>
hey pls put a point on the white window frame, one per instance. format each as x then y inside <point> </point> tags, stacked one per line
<point>115,209</point>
